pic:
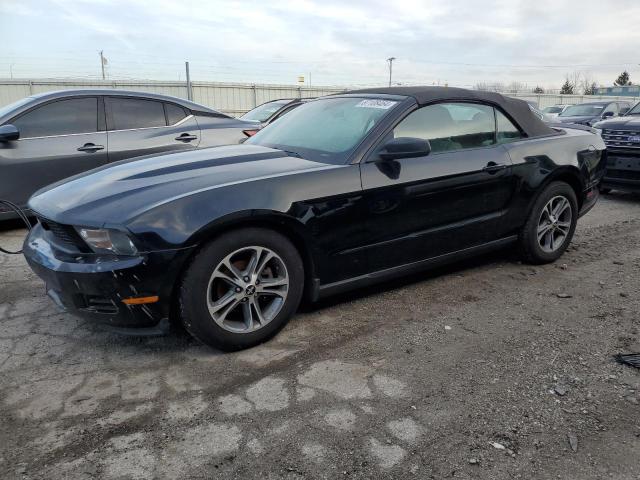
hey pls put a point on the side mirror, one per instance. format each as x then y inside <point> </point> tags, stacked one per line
<point>607,114</point>
<point>405,147</point>
<point>9,133</point>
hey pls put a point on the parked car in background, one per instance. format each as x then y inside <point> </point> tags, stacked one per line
<point>592,112</point>
<point>554,110</point>
<point>539,113</point>
<point>45,138</point>
<point>270,111</point>
<point>622,136</point>
<point>342,192</point>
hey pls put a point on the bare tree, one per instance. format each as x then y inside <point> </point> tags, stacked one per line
<point>590,89</point>
<point>516,86</point>
<point>490,87</point>
<point>587,84</point>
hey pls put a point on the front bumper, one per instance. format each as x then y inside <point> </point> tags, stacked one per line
<point>623,171</point>
<point>589,201</point>
<point>94,286</point>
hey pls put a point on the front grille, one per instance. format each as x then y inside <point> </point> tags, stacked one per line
<point>624,174</point>
<point>65,233</point>
<point>620,138</point>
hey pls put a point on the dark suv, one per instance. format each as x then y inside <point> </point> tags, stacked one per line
<point>622,136</point>
<point>592,112</point>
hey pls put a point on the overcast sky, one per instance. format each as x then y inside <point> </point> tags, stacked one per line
<point>337,42</point>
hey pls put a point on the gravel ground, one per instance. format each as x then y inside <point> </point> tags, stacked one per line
<point>490,369</point>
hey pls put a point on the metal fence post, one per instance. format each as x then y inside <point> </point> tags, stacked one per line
<point>189,87</point>
<point>255,95</point>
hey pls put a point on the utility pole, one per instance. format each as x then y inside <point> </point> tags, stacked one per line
<point>11,70</point>
<point>189,92</point>
<point>102,62</point>
<point>390,60</point>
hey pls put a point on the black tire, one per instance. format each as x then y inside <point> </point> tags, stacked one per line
<point>605,190</point>
<point>193,308</point>
<point>530,247</point>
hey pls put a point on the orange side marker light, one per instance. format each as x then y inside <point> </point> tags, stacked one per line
<point>140,300</point>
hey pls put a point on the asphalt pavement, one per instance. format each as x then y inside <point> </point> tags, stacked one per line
<point>488,369</point>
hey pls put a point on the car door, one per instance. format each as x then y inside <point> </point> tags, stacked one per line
<point>450,200</point>
<point>58,139</point>
<point>139,126</point>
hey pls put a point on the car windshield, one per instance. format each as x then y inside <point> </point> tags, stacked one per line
<point>584,110</point>
<point>552,110</point>
<point>326,130</point>
<point>635,110</point>
<point>12,106</point>
<point>263,112</point>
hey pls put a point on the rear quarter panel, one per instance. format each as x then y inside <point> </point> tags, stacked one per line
<point>576,156</point>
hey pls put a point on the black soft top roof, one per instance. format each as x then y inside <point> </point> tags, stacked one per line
<point>518,110</point>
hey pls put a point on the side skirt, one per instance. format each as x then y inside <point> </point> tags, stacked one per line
<point>321,291</point>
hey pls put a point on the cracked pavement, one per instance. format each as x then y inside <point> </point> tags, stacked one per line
<point>412,379</point>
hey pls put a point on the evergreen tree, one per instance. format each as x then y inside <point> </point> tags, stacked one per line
<point>623,79</point>
<point>567,88</point>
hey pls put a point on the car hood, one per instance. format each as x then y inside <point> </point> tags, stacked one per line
<point>577,119</point>
<point>115,194</point>
<point>632,123</point>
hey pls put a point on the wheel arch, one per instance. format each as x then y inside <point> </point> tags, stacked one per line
<point>287,226</point>
<point>568,174</point>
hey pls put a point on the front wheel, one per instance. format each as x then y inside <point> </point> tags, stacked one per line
<point>241,288</point>
<point>551,224</point>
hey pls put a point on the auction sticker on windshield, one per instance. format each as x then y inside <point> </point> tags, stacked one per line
<point>376,103</point>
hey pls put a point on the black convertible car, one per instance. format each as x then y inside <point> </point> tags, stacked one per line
<point>344,191</point>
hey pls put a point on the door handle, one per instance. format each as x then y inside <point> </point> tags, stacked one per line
<point>186,137</point>
<point>493,167</point>
<point>90,147</point>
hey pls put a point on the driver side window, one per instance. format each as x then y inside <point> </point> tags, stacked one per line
<point>450,126</point>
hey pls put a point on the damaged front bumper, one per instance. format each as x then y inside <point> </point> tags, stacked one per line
<point>95,286</point>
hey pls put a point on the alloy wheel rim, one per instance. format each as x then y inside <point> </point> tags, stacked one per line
<point>247,289</point>
<point>554,224</point>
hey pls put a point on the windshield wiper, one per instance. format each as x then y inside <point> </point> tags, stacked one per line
<point>292,154</point>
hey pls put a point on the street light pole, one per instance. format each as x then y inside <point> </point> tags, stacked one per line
<point>390,60</point>
<point>102,62</point>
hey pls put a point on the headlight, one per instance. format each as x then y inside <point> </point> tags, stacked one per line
<point>108,241</point>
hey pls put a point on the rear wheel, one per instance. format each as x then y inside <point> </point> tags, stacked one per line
<point>551,224</point>
<point>241,289</point>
